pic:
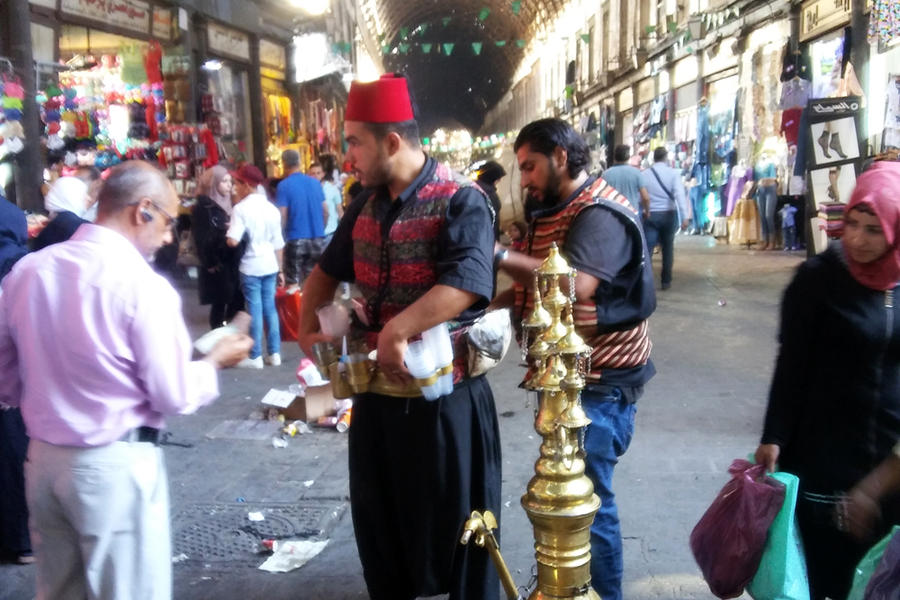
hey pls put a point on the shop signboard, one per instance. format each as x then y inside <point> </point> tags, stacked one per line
<point>133,15</point>
<point>272,59</point>
<point>820,16</point>
<point>163,21</point>
<point>834,152</point>
<point>228,42</point>
<point>625,100</point>
<point>44,3</point>
<point>646,90</point>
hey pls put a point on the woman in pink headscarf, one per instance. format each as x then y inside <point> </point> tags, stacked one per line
<point>218,280</point>
<point>834,404</point>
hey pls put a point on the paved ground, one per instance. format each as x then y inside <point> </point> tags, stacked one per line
<point>714,344</point>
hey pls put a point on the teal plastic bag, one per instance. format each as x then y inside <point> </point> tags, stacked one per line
<point>782,570</point>
<point>867,566</point>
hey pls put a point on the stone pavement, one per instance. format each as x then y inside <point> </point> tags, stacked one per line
<point>714,344</point>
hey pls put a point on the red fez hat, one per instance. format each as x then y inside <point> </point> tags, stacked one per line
<point>249,174</point>
<point>385,100</point>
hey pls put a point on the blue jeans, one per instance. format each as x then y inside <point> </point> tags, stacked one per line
<point>766,199</point>
<point>698,208</point>
<point>606,439</point>
<point>660,227</point>
<point>259,292</point>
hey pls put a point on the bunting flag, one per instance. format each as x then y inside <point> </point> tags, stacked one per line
<point>448,49</point>
<point>403,47</point>
<point>586,38</point>
<point>422,28</point>
<point>476,46</point>
<point>426,48</point>
<point>520,43</point>
<point>500,43</point>
<point>404,32</point>
<point>648,29</point>
<point>446,21</point>
<point>672,26</point>
<point>516,6</point>
<point>381,37</point>
<point>386,49</point>
<point>484,13</point>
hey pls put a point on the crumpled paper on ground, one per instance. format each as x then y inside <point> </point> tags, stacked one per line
<point>292,554</point>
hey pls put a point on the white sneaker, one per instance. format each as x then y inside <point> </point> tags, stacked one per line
<point>273,359</point>
<point>251,363</point>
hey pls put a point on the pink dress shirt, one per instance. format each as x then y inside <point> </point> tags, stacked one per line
<point>93,343</point>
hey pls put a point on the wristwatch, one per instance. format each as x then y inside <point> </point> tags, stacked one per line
<point>499,256</point>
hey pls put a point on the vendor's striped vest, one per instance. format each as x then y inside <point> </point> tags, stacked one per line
<point>620,349</point>
<point>395,271</point>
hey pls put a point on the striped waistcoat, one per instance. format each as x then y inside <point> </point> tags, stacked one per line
<point>394,270</point>
<point>615,347</point>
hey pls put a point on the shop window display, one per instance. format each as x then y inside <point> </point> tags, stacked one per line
<point>226,110</point>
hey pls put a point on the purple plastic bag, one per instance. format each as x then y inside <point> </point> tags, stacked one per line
<point>728,540</point>
<point>885,581</point>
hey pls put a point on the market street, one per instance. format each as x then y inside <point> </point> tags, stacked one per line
<point>703,409</point>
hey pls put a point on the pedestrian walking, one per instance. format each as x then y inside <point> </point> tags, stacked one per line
<point>667,197</point>
<point>599,231</point>
<point>218,278</point>
<point>333,205</point>
<point>94,349</point>
<point>418,243</point>
<point>835,393</point>
<point>302,203</point>
<point>627,180</point>
<point>260,268</point>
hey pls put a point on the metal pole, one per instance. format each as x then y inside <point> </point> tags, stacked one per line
<point>859,57</point>
<point>29,162</point>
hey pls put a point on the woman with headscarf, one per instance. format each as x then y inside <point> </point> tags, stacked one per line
<point>834,404</point>
<point>219,280</point>
<point>15,544</point>
<point>67,201</point>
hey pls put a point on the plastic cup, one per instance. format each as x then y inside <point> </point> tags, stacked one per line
<point>438,341</point>
<point>334,320</point>
<point>420,362</point>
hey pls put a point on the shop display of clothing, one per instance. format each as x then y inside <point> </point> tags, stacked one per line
<point>795,93</point>
<point>891,138</point>
<point>790,124</point>
<point>743,224</point>
<point>884,22</point>
<point>740,176</point>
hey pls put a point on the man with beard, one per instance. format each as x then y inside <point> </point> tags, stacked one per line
<point>418,243</point>
<point>599,232</point>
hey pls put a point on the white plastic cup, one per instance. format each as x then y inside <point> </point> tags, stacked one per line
<point>438,340</point>
<point>334,320</point>
<point>420,362</point>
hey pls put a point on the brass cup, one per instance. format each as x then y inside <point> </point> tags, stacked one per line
<point>324,355</point>
<point>358,373</point>
<point>340,388</point>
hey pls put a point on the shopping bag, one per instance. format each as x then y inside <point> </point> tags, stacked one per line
<point>866,568</point>
<point>728,541</point>
<point>885,582</point>
<point>288,307</point>
<point>782,569</point>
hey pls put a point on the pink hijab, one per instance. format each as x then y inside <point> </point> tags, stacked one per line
<point>208,185</point>
<point>879,189</point>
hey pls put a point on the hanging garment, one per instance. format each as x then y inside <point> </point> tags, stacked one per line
<point>884,22</point>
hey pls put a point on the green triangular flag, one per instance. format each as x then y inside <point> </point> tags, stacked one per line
<point>423,28</point>
<point>520,43</point>
<point>516,6</point>
<point>476,46</point>
<point>586,38</point>
<point>570,91</point>
<point>484,13</point>
<point>672,26</point>
<point>448,49</point>
<point>500,43</point>
<point>649,29</point>
<point>381,37</point>
<point>446,21</point>
<point>386,49</point>
<point>404,48</point>
<point>688,37</point>
<point>689,49</point>
<point>426,48</point>
<point>404,31</point>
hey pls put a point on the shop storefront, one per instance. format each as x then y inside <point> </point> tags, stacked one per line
<point>624,105</point>
<point>884,79</point>
<point>278,109</point>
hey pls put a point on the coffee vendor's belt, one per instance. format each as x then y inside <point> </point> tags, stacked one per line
<point>360,378</point>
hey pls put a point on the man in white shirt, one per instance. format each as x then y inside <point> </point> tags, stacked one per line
<point>667,197</point>
<point>260,268</point>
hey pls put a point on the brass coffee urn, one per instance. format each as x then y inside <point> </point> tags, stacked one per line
<point>560,500</point>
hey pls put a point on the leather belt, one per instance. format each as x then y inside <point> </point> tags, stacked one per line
<point>149,435</point>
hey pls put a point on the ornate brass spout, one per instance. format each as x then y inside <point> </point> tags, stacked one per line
<point>560,500</point>
<point>483,526</point>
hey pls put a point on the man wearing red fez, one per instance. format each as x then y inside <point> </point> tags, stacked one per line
<point>418,243</point>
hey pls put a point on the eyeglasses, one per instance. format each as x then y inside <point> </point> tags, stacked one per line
<point>170,220</point>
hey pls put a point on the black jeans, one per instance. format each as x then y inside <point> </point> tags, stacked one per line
<point>660,227</point>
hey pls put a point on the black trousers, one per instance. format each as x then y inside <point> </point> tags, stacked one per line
<point>417,470</point>
<point>14,538</point>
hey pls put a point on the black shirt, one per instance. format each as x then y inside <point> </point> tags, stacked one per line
<point>465,246</point>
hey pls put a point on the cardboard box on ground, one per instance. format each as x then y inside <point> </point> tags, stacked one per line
<point>314,402</point>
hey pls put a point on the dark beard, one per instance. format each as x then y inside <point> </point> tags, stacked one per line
<point>551,197</point>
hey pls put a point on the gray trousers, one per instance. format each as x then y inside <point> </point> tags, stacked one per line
<point>300,256</point>
<point>99,521</point>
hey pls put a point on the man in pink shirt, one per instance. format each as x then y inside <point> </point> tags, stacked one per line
<point>94,350</point>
